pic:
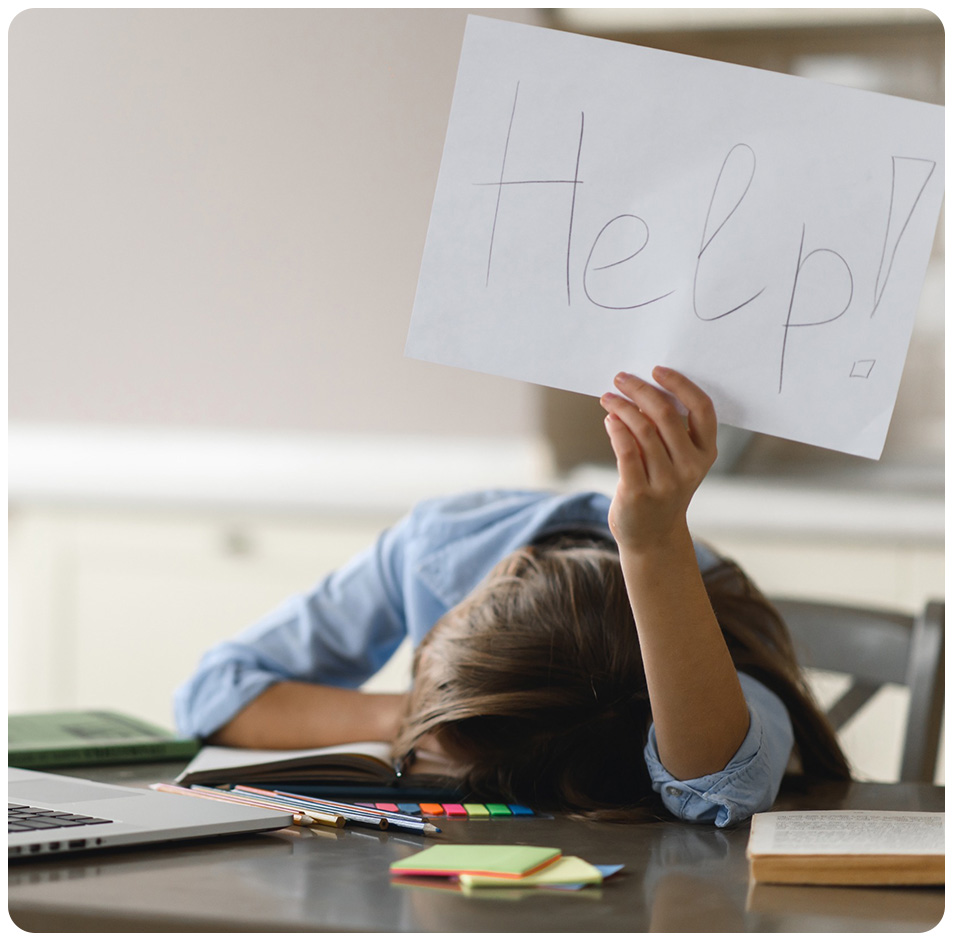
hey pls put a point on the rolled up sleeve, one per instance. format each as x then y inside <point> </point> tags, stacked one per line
<point>750,780</point>
<point>339,633</point>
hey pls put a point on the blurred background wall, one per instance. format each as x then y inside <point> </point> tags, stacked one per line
<point>215,224</point>
<point>218,217</point>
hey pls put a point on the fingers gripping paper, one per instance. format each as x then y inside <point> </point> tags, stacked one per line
<point>602,206</point>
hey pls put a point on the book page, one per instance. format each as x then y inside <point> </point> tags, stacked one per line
<point>848,832</point>
<point>227,758</point>
<point>604,207</point>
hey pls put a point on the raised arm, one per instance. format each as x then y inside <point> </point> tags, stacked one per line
<point>699,712</point>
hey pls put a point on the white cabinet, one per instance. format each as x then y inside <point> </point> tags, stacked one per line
<point>113,609</point>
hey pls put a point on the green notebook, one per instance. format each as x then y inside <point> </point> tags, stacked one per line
<point>490,860</point>
<point>83,738</point>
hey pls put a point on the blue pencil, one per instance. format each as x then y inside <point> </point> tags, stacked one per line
<point>370,809</point>
<point>398,819</point>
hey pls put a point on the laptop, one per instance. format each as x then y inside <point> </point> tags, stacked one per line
<point>53,814</point>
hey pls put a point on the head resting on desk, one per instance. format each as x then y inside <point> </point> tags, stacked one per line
<point>534,685</point>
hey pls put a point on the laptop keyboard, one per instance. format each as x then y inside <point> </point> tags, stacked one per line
<point>28,818</point>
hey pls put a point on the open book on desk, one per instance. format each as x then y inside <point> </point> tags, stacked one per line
<point>353,769</point>
<point>848,847</point>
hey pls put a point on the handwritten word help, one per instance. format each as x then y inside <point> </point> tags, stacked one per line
<point>833,286</point>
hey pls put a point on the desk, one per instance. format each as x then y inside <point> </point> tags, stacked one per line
<point>678,878</point>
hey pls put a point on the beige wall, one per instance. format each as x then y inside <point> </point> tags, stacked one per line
<point>217,216</point>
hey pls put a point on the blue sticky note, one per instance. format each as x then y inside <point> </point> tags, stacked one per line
<point>606,870</point>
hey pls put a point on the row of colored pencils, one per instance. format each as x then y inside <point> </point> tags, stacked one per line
<point>305,810</point>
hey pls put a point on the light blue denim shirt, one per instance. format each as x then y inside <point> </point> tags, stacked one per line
<point>346,627</point>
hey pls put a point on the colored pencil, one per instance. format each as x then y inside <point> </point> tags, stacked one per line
<point>348,812</point>
<point>319,816</point>
<point>398,819</point>
<point>378,817</point>
<point>297,817</point>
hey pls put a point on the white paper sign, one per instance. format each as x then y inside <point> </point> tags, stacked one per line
<point>605,207</point>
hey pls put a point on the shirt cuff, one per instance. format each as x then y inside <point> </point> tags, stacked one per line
<point>750,780</point>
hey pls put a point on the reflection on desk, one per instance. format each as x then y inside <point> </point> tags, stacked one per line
<point>677,877</point>
<point>894,910</point>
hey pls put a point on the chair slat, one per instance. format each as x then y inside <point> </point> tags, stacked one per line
<point>877,647</point>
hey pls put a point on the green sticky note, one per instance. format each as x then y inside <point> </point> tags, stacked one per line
<point>476,810</point>
<point>497,808</point>
<point>494,860</point>
<point>565,870</point>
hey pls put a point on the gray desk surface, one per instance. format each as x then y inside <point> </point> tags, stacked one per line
<point>677,878</point>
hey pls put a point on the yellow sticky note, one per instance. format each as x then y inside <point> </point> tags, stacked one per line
<point>565,870</point>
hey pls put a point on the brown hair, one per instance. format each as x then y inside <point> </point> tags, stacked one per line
<point>535,685</point>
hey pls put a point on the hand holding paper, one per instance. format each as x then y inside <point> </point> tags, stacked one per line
<point>660,458</point>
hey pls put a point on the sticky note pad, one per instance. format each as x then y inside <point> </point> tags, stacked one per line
<point>386,806</point>
<point>409,808</point>
<point>476,810</point>
<point>431,808</point>
<point>497,808</point>
<point>520,810</point>
<point>565,870</point>
<point>492,860</point>
<point>453,808</point>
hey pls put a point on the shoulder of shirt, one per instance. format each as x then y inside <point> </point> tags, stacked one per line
<point>494,502</point>
<point>449,517</point>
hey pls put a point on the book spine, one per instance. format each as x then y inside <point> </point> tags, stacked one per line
<point>91,755</point>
